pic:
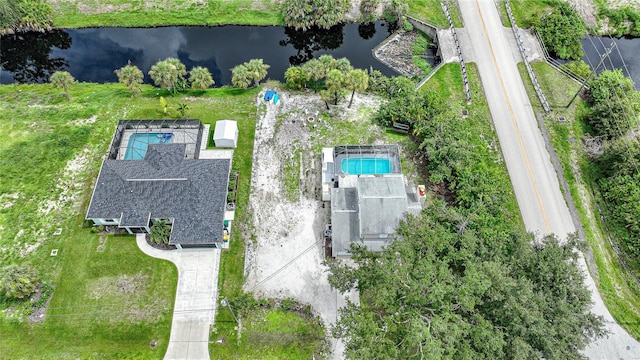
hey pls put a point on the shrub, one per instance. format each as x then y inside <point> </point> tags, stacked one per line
<point>18,281</point>
<point>232,185</point>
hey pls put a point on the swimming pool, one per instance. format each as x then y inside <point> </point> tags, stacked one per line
<point>138,143</point>
<point>366,166</point>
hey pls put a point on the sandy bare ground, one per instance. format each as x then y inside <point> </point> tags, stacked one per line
<point>284,258</point>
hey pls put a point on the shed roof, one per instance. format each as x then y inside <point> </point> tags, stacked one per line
<point>225,129</point>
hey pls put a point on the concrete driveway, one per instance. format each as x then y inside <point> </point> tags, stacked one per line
<point>196,296</point>
<point>534,180</point>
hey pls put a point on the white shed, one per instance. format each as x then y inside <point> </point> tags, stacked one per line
<point>226,134</point>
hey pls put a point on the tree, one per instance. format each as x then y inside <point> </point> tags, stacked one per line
<point>168,73</point>
<point>313,71</point>
<point>325,96</point>
<point>440,291</point>
<point>182,109</point>
<point>131,77</point>
<point>18,281</point>
<point>63,80</point>
<point>343,64</point>
<point>356,80</point>
<point>579,68</point>
<point>327,63</point>
<point>615,104</point>
<point>16,15</point>
<point>335,83</point>
<point>257,70</point>
<point>368,10</point>
<point>561,31</point>
<point>200,78</point>
<point>160,232</point>
<point>240,77</point>
<point>621,156</point>
<point>304,14</point>
<point>295,77</point>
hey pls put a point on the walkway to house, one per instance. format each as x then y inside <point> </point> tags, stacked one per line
<point>195,303</point>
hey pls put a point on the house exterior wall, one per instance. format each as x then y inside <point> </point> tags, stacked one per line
<point>106,222</point>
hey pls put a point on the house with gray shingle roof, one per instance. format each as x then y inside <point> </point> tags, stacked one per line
<point>368,194</point>
<point>167,181</point>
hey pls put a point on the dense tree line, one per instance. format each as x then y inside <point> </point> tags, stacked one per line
<point>464,281</point>
<point>18,15</point>
<point>614,115</point>
<point>334,78</point>
<point>561,30</point>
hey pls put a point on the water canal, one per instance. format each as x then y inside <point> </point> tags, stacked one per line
<point>624,55</point>
<point>91,55</point>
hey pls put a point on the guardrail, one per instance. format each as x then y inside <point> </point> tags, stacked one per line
<point>555,63</point>
<point>532,76</point>
<point>463,67</point>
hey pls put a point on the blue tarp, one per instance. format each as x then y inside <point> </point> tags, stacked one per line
<point>268,95</point>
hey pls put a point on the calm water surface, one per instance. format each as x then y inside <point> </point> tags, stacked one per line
<point>92,55</point>
<point>625,55</point>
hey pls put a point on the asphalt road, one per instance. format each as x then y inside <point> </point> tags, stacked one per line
<point>532,175</point>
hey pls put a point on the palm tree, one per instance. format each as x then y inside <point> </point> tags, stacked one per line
<point>240,77</point>
<point>160,232</point>
<point>356,80</point>
<point>313,71</point>
<point>169,74</point>
<point>182,109</point>
<point>164,74</point>
<point>131,77</point>
<point>63,80</point>
<point>294,77</point>
<point>335,82</point>
<point>257,70</point>
<point>343,64</point>
<point>200,78</point>
<point>18,281</point>
<point>327,63</point>
<point>325,96</point>
<point>182,70</point>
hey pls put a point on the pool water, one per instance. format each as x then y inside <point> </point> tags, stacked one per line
<point>138,143</point>
<point>366,166</point>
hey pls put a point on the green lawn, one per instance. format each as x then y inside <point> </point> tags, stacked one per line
<point>525,11</point>
<point>616,284</point>
<point>110,300</point>
<point>270,333</point>
<point>138,13</point>
<point>430,11</point>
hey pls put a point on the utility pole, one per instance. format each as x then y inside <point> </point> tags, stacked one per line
<point>584,83</point>
<point>225,302</point>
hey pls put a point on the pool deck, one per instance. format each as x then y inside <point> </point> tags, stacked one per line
<point>180,136</point>
<point>395,163</point>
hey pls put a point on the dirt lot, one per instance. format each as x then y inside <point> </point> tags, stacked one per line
<point>286,254</point>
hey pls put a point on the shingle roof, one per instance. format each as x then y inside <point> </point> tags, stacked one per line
<point>165,185</point>
<point>382,202</point>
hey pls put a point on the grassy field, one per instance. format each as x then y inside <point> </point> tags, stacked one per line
<point>430,11</point>
<point>110,300</point>
<point>525,11</point>
<point>617,287</point>
<point>138,13</point>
